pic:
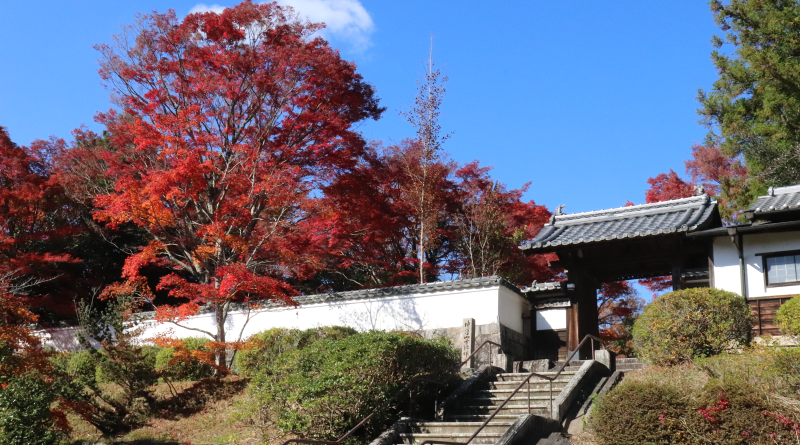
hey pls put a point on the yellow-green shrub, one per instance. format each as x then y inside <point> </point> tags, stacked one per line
<point>788,317</point>
<point>684,324</point>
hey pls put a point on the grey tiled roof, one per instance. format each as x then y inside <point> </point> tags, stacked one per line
<point>545,287</point>
<point>678,215</point>
<point>695,274</point>
<point>777,200</point>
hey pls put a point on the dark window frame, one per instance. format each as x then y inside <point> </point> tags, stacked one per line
<point>765,271</point>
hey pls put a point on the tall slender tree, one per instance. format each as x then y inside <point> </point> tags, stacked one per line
<point>424,116</point>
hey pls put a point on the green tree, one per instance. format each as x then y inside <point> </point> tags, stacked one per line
<point>753,109</point>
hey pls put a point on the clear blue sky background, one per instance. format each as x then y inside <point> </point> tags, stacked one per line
<point>586,100</point>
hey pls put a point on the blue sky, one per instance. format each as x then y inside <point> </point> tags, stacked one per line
<point>585,100</point>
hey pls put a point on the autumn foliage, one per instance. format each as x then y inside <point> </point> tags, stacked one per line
<point>228,124</point>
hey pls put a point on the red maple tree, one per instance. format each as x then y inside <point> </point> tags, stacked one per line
<point>490,223</point>
<point>229,123</point>
<point>370,215</point>
<point>33,219</point>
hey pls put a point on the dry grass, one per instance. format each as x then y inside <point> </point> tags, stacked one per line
<point>203,413</point>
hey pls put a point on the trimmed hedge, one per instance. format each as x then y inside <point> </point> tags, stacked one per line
<point>684,324</point>
<point>788,317</point>
<point>325,388</point>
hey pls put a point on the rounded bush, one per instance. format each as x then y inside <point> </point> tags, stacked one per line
<point>684,324</point>
<point>788,317</point>
<point>637,413</point>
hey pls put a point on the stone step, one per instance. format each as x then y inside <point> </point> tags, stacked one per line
<point>567,368</point>
<point>627,360</point>
<point>561,381</point>
<point>495,426</point>
<point>517,399</point>
<point>514,407</point>
<point>541,390</point>
<point>480,417</point>
<point>519,376</point>
<point>535,394</point>
<point>574,363</point>
<point>630,367</point>
<point>482,438</point>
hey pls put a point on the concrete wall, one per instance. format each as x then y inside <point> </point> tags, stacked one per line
<point>726,263</point>
<point>435,314</point>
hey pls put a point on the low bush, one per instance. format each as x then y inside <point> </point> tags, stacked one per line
<point>176,370</point>
<point>262,348</point>
<point>325,388</point>
<point>743,398</point>
<point>639,412</point>
<point>682,325</point>
<point>788,317</point>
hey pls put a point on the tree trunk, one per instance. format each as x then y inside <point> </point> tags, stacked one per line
<point>222,354</point>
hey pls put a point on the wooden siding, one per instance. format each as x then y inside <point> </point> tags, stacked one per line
<point>763,310</point>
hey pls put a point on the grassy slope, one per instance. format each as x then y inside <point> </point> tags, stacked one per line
<point>203,413</point>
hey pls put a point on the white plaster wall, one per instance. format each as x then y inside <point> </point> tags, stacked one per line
<point>63,339</point>
<point>551,319</point>
<point>726,263</point>
<point>511,308</point>
<point>408,312</point>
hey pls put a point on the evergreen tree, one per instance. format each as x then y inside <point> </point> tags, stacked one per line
<point>753,109</point>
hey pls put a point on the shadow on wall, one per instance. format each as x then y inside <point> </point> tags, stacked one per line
<point>63,339</point>
<point>388,315</point>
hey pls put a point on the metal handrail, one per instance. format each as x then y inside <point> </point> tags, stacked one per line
<point>487,342</point>
<point>526,380</point>
<point>408,385</point>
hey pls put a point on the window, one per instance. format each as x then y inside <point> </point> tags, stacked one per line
<point>782,269</point>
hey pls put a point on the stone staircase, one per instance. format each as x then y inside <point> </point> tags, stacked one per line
<point>629,364</point>
<point>478,404</point>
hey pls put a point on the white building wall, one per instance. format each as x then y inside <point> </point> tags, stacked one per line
<point>726,263</point>
<point>511,308</point>
<point>413,312</point>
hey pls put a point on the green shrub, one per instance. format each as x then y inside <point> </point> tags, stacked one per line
<point>325,388</point>
<point>637,413</point>
<point>684,324</point>
<point>265,346</point>
<point>194,370</point>
<point>788,317</point>
<point>25,415</point>
<point>114,386</point>
<point>725,399</point>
